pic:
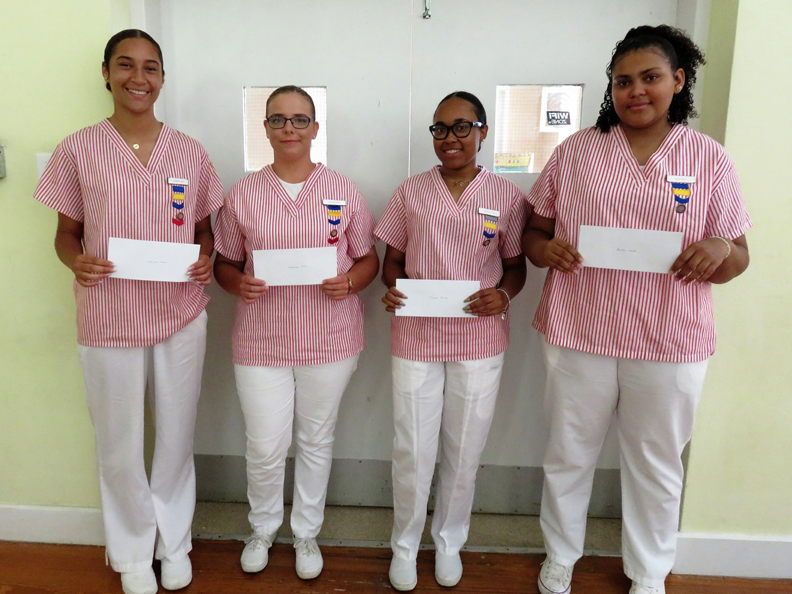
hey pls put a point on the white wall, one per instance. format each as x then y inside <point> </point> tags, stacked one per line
<point>385,69</point>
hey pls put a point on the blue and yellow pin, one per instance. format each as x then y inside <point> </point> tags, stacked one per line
<point>681,195</point>
<point>490,228</point>
<point>334,218</point>
<point>178,204</point>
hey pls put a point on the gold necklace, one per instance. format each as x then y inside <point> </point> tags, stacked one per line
<point>457,182</point>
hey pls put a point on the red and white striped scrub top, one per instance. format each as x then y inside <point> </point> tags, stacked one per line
<point>447,240</point>
<point>594,179</point>
<point>93,177</point>
<point>295,325</point>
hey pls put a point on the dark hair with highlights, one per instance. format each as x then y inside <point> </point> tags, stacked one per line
<point>680,51</point>
<point>478,106</point>
<point>112,44</point>
<point>291,89</point>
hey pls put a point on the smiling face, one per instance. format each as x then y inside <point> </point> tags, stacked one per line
<point>289,142</point>
<point>643,86</point>
<point>135,75</point>
<point>457,153</point>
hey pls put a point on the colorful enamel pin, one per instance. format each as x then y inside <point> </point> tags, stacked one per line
<point>490,224</point>
<point>177,198</point>
<point>178,204</point>
<point>334,218</point>
<point>680,187</point>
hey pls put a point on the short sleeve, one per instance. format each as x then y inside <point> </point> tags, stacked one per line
<point>59,187</point>
<point>511,243</point>
<point>360,231</point>
<point>726,216</point>
<point>543,193</point>
<point>229,240</point>
<point>392,227</point>
<point>210,190</point>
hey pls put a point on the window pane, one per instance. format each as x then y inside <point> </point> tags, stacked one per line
<point>258,151</point>
<point>530,121</point>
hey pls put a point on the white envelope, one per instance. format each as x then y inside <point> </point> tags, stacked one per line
<point>152,260</point>
<point>435,298</point>
<point>305,266</point>
<point>629,249</point>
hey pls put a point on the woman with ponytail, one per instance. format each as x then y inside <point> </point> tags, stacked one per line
<point>456,221</point>
<point>133,177</point>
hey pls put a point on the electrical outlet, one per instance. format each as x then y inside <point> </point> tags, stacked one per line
<point>2,163</point>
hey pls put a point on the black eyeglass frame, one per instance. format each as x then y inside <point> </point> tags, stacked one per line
<point>267,120</point>
<point>450,129</point>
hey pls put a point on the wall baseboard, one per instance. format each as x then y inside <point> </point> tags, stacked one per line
<point>62,525</point>
<point>367,483</point>
<point>734,555</point>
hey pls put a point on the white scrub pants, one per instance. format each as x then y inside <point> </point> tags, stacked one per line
<point>654,403</point>
<point>451,402</point>
<point>273,399</point>
<point>137,513</point>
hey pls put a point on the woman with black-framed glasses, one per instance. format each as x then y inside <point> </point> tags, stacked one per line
<point>295,347</point>
<point>456,221</point>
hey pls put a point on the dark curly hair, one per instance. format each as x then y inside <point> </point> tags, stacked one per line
<point>680,51</point>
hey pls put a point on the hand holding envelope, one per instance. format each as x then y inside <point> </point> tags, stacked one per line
<point>562,256</point>
<point>152,260</point>
<point>642,250</point>
<point>304,266</point>
<point>89,270</point>
<point>433,298</point>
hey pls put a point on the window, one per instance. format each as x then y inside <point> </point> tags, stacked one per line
<point>258,151</point>
<point>530,121</point>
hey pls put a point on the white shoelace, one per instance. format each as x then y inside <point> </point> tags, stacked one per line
<point>261,541</point>
<point>556,571</point>
<point>306,546</point>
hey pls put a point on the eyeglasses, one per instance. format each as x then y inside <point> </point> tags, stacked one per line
<point>277,122</point>
<point>460,129</point>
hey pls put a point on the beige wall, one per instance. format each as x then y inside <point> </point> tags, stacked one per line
<point>740,469</point>
<point>714,103</point>
<point>50,86</point>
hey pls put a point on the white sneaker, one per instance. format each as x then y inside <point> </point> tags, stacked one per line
<point>403,574</point>
<point>448,569</point>
<point>641,589</point>
<point>308,561</point>
<point>555,578</point>
<point>176,575</point>
<point>256,553</point>
<point>139,582</point>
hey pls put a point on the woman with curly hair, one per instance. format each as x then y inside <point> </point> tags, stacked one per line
<point>630,343</point>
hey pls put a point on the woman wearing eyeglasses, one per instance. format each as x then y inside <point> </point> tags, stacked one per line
<point>294,347</point>
<point>456,221</point>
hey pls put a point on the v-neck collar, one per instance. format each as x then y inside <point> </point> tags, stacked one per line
<point>160,147</point>
<point>639,176</point>
<point>455,206</point>
<point>293,206</point>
